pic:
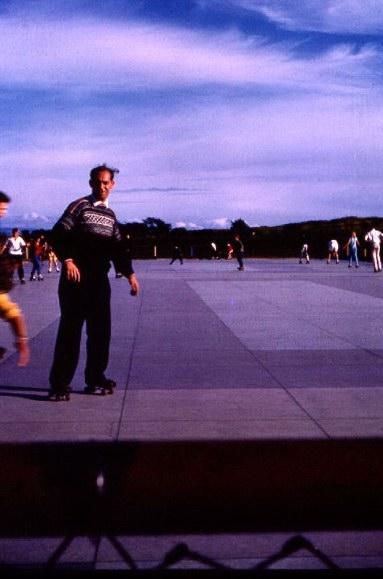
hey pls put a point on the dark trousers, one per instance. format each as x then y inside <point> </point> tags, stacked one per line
<point>89,302</point>
<point>175,259</point>
<point>239,257</point>
<point>18,264</point>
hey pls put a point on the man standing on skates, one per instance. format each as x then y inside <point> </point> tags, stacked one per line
<point>86,239</point>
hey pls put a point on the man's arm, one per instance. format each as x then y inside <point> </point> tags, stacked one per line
<point>63,239</point>
<point>122,260</point>
<point>63,242</point>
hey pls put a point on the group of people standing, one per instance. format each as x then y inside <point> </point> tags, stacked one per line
<point>374,237</point>
<point>38,249</point>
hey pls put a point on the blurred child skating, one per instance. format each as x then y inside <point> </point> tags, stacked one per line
<point>9,311</point>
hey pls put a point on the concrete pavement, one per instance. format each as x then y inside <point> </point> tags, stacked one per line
<point>279,351</point>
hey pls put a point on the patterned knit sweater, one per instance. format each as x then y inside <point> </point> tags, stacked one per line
<point>90,236</point>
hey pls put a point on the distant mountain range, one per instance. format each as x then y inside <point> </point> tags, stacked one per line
<point>28,221</point>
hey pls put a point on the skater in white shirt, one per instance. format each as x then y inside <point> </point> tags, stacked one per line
<point>374,237</point>
<point>304,253</point>
<point>333,248</point>
<point>15,246</point>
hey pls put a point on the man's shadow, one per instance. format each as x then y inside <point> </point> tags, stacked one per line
<point>18,392</point>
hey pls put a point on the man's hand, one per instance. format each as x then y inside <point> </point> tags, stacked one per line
<point>133,284</point>
<point>72,271</point>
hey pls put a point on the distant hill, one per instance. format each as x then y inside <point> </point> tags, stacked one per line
<point>261,241</point>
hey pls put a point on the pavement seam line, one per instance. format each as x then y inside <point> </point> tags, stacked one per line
<point>314,325</point>
<point>284,388</point>
<point>136,329</point>
<point>287,389</point>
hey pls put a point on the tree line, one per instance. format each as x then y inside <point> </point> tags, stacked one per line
<point>153,237</point>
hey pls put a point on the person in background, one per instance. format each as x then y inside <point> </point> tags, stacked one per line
<point>352,250</point>
<point>36,250</point>
<point>176,254</point>
<point>53,261</point>
<point>333,251</point>
<point>15,246</point>
<point>9,311</point>
<point>239,251</point>
<point>304,253</point>
<point>213,250</point>
<point>374,237</point>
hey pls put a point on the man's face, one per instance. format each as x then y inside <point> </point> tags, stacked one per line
<point>3,208</point>
<point>101,185</point>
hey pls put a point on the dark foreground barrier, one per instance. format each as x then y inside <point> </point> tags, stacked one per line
<point>155,488</point>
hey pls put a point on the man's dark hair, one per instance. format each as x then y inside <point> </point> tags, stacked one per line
<point>14,230</point>
<point>95,171</point>
<point>4,197</point>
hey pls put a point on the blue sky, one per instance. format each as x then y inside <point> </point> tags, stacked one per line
<point>267,110</point>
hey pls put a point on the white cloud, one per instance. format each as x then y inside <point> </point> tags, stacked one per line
<point>331,16</point>
<point>221,222</point>
<point>255,160</point>
<point>259,155</point>
<point>78,55</point>
<point>187,225</point>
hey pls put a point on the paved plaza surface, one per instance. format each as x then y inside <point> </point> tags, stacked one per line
<point>280,351</point>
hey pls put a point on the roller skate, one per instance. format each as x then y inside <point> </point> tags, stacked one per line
<point>61,394</point>
<point>102,388</point>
